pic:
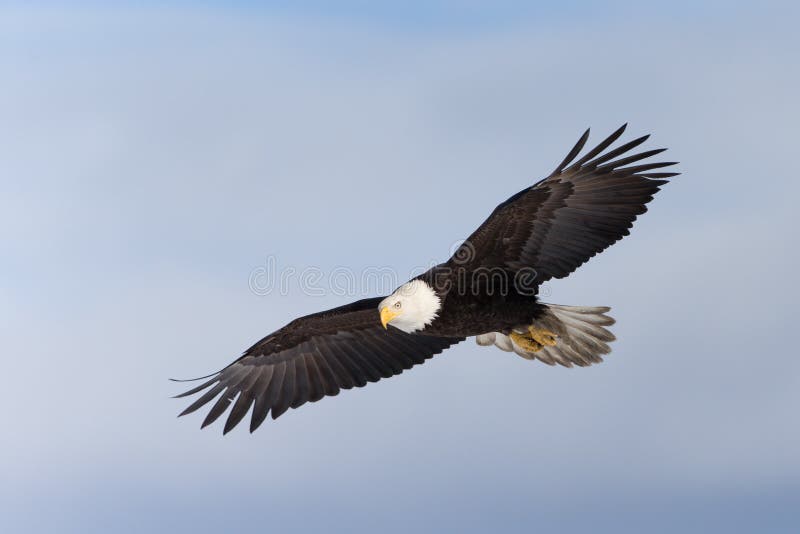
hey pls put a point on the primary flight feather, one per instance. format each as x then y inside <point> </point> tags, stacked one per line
<point>487,289</point>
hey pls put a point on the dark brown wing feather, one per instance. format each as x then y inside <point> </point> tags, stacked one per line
<point>310,358</point>
<point>581,209</point>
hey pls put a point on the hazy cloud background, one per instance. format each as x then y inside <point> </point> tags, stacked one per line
<point>151,157</point>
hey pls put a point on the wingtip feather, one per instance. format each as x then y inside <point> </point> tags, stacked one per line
<point>572,153</point>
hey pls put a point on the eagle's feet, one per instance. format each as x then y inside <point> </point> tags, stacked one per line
<point>534,340</point>
<point>543,337</point>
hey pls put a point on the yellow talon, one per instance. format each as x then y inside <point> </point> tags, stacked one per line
<point>543,337</point>
<point>525,342</point>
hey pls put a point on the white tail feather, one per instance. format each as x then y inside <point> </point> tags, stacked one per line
<point>582,338</point>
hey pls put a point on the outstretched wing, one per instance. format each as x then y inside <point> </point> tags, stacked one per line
<point>310,358</point>
<point>581,209</point>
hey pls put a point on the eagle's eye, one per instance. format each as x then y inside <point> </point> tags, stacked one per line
<point>398,305</point>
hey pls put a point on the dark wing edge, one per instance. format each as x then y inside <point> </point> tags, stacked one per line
<point>273,379</point>
<point>583,207</point>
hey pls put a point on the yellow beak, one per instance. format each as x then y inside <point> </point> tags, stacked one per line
<point>387,315</point>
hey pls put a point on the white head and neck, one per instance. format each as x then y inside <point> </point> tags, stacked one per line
<point>412,307</point>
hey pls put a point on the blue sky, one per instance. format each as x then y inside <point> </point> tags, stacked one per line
<point>152,156</point>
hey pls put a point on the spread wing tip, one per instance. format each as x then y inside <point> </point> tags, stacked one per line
<point>199,388</point>
<point>596,159</point>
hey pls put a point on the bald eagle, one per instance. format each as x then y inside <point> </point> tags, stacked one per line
<point>487,289</point>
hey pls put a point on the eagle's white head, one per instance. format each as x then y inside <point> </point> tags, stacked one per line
<point>412,307</point>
